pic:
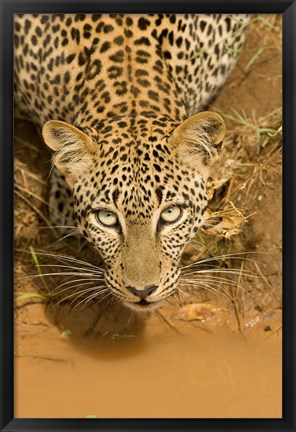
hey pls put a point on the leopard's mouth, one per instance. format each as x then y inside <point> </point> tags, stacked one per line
<point>139,305</point>
<point>143,302</point>
<point>143,305</point>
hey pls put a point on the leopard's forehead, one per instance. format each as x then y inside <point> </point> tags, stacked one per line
<point>136,170</point>
<point>132,130</point>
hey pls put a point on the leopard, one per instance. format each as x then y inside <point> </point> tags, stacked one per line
<point>120,101</point>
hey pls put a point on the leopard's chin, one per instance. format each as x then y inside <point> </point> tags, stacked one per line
<point>143,305</point>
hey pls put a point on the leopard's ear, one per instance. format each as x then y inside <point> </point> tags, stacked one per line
<point>198,139</point>
<point>72,148</point>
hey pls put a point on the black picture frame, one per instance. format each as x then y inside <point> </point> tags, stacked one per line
<point>8,8</point>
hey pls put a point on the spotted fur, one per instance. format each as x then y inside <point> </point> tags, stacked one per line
<point>116,96</point>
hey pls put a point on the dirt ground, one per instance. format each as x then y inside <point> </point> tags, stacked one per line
<point>226,332</point>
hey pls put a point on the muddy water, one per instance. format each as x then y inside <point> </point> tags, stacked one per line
<point>158,373</point>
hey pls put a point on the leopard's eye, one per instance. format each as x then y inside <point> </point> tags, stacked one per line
<point>106,217</point>
<point>171,214</point>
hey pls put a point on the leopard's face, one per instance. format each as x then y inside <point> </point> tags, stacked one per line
<point>138,200</point>
<point>140,214</point>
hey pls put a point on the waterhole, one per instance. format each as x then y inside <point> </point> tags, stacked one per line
<point>155,373</point>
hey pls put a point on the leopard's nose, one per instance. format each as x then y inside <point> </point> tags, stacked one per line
<point>143,293</point>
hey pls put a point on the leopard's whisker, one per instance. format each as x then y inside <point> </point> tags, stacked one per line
<point>228,271</point>
<point>228,256</point>
<point>70,280</point>
<point>57,274</point>
<point>112,298</point>
<point>213,279</point>
<point>59,226</point>
<point>221,270</point>
<point>200,283</point>
<point>90,297</point>
<point>197,269</point>
<point>76,293</point>
<point>210,267</point>
<point>81,283</point>
<point>104,297</point>
<point>73,233</point>
<point>132,314</point>
<point>210,279</point>
<point>213,289</point>
<point>80,293</point>
<point>58,293</point>
<point>66,258</point>
<point>69,267</point>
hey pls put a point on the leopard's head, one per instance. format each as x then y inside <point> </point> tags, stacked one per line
<point>139,188</point>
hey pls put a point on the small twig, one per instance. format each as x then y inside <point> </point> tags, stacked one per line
<point>60,360</point>
<point>36,210</point>
<point>28,192</point>
<point>268,284</point>
<point>167,321</point>
<point>235,298</point>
